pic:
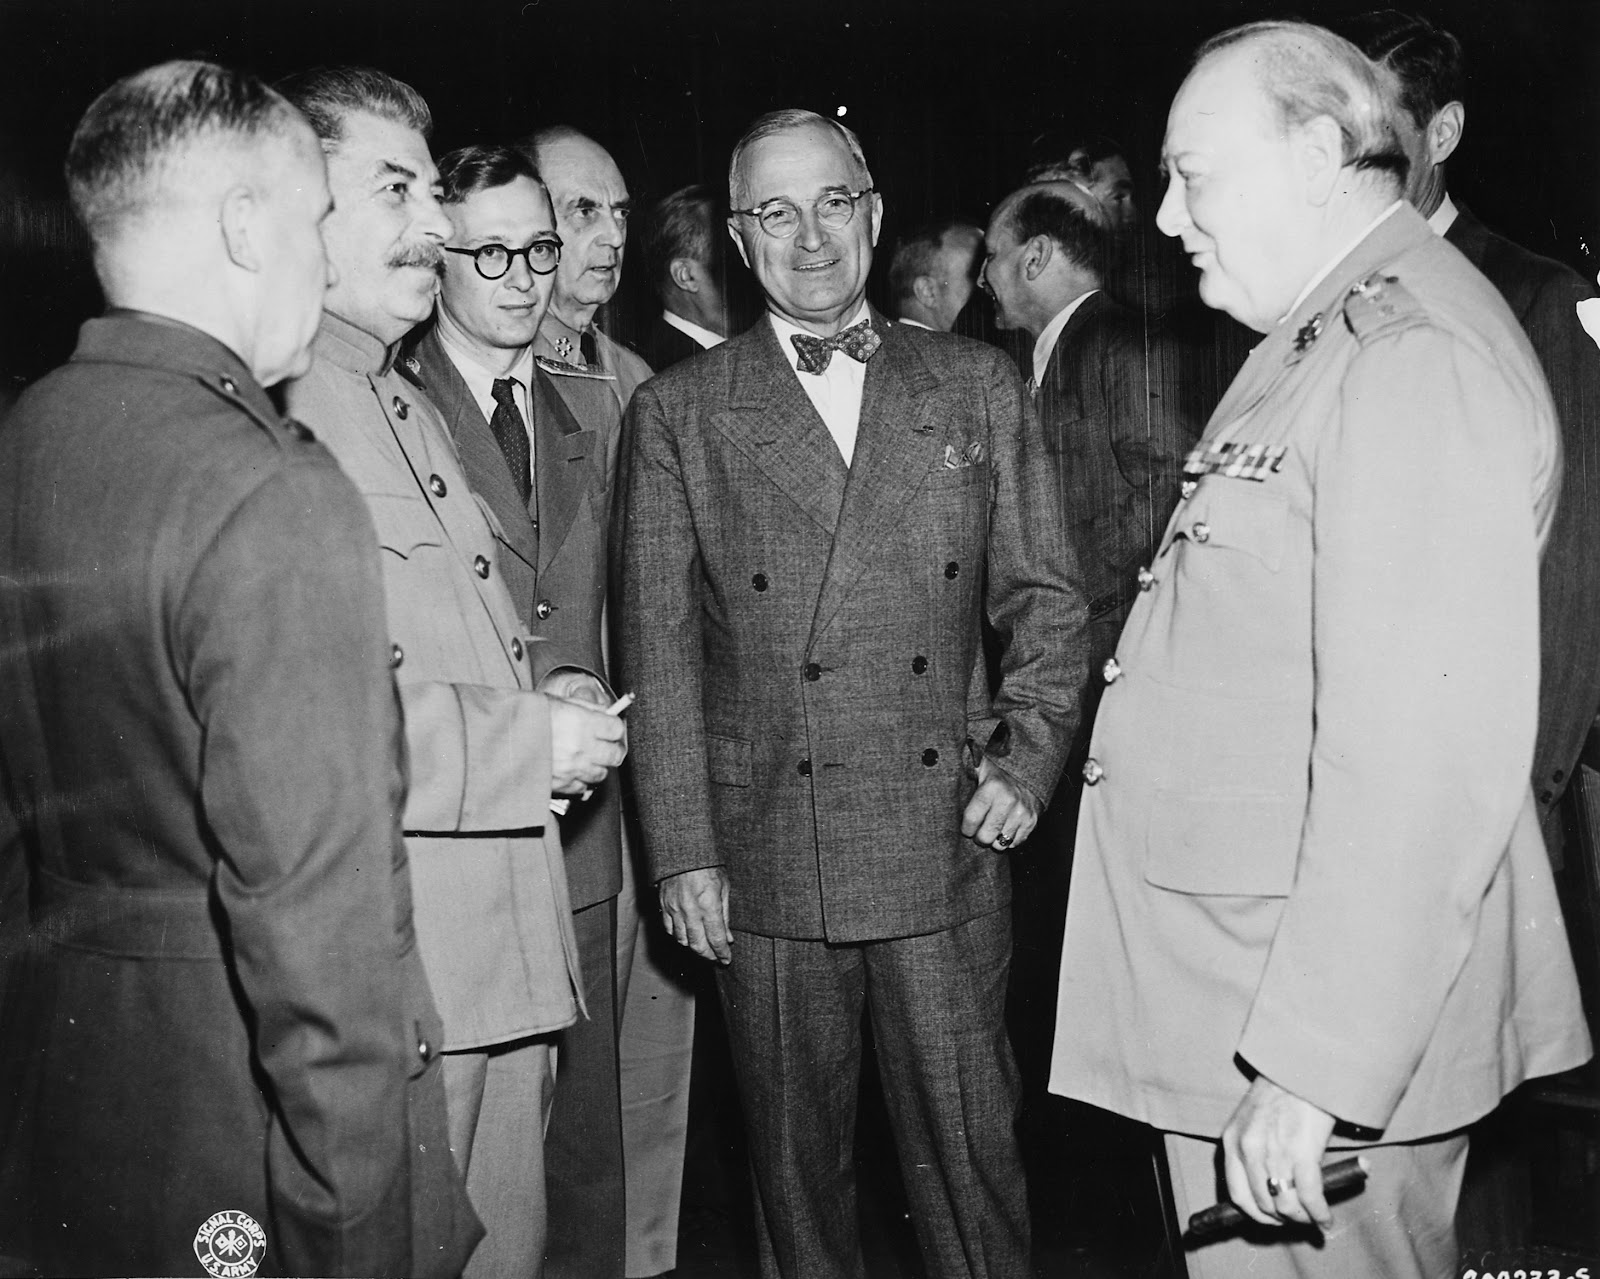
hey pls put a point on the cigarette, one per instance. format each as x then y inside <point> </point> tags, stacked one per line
<point>560,803</point>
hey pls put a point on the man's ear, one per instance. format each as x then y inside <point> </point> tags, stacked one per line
<point>926,290</point>
<point>1036,255</point>
<point>733,234</point>
<point>1445,130</point>
<point>684,274</point>
<point>237,219</point>
<point>877,216</point>
<point>1319,155</point>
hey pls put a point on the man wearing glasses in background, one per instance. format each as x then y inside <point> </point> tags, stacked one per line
<point>817,515</point>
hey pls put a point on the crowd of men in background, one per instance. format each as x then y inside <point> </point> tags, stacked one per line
<point>335,937</point>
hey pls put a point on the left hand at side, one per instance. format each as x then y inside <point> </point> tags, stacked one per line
<point>1001,808</point>
<point>1275,1134</point>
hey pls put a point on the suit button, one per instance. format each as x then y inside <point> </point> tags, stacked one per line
<point>401,408</point>
<point>396,656</point>
<point>1557,775</point>
<point>1111,670</point>
<point>480,565</point>
<point>812,671</point>
<point>759,581</point>
<point>1147,579</point>
<point>543,609</point>
<point>1544,796</point>
<point>230,386</point>
<point>1092,772</point>
<point>437,484</point>
<point>516,648</point>
<point>424,1049</point>
<point>1187,488</point>
<point>930,757</point>
<point>951,570</point>
<point>919,664</point>
<point>804,768</point>
<point>1201,532</point>
<point>535,524</point>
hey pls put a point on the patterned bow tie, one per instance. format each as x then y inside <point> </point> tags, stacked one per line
<point>858,342</point>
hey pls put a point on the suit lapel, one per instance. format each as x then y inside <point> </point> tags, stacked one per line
<point>896,446</point>
<point>772,421</point>
<point>562,452</point>
<point>481,458</point>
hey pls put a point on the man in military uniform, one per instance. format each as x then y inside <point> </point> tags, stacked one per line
<point>486,749</point>
<point>1310,903</point>
<point>217,1034</point>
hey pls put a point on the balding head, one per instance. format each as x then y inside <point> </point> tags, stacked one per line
<point>1046,245</point>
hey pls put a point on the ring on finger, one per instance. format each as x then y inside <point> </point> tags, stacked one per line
<point>1002,840</point>
<point>1275,1187</point>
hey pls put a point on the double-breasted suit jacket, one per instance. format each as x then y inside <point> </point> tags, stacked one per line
<point>220,1004</point>
<point>553,557</point>
<point>805,637</point>
<point>1544,295</point>
<point>1310,843</point>
<point>493,920</point>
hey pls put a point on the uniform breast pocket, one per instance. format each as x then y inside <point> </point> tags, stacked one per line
<point>1237,515</point>
<point>405,525</point>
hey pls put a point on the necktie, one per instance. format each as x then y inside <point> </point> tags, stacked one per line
<point>858,342</point>
<point>589,349</point>
<point>511,434</point>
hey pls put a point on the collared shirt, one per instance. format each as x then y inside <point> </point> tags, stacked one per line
<point>1339,257</point>
<point>480,381</point>
<point>916,324</point>
<point>1444,217</point>
<point>705,339</point>
<point>836,391</point>
<point>1045,347</point>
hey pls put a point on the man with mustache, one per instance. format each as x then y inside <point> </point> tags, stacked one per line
<point>486,750</point>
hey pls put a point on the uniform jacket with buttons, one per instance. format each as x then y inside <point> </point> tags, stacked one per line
<point>1312,843</point>
<point>805,637</point>
<point>1544,296</point>
<point>210,996</point>
<point>493,920</point>
<point>553,555</point>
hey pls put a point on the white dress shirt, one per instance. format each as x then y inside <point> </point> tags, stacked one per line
<point>1045,346</point>
<point>705,339</point>
<point>836,391</point>
<point>480,381</point>
<point>1444,217</point>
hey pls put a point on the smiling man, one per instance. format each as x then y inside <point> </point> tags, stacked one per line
<point>1310,903</point>
<point>818,515</point>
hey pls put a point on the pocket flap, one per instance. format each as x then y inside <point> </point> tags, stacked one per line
<point>1224,845</point>
<point>403,523</point>
<point>1236,515</point>
<point>728,760</point>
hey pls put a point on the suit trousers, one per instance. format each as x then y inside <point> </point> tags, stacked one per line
<point>1401,1225</point>
<point>583,1147</point>
<point>498,1102</point>
<point>937,1004</point>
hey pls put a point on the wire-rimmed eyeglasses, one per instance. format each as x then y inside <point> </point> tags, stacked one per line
<point>780,217</point>
<point>494,260</point>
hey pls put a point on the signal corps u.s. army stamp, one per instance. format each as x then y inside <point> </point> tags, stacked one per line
<point>230,1245</point>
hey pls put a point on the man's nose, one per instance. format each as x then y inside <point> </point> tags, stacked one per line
<point>809,233</point>
<point>1173,215</point>
<point>431,219</point>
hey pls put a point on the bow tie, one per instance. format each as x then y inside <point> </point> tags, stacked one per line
<point>858,342</point>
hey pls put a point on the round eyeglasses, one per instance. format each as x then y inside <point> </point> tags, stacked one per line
<point>780,218</point>
<point>494,260</point>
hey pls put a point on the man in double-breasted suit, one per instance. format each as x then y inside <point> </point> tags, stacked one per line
<point>1310,904</point>
<point>489,739</point>
<point>816,516</point>
<point>217,1044</point>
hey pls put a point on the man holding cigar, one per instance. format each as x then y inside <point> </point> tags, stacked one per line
<point>1310,905</point>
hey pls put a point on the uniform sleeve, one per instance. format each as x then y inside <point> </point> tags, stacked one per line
<point>1425,643</point>
<point>657,568</point>
<point>1034,596</point>
<point>281,631</point>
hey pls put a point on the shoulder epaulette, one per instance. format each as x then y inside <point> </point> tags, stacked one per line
<point>1379,305</point>
<point>560,368</point>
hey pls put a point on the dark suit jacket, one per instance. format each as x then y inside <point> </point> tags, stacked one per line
<point>221,1004</point>
<point>554,562</point>
<point>1117,440</point>
<point>1543,295</point>
<point>805,637</point>
<point>664,346</point>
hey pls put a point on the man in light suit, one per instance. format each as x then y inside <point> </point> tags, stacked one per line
<point>217,1044</point>
<point>807,548</point>
<point>486,750</point>
<point>1543,294</point>
<point>1310,904</point>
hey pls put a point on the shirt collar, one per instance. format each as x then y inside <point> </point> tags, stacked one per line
<point>785,329</point>
<point>479,379</point>
<point>916,324</point>
<point>1046,345</point>
<point>705,339</point>
<point>353,349</point>
<point>1339,257</point>
<point>1443,218</point>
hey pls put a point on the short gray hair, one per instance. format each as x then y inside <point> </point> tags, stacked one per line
<point>787,120</point>
<point>1307,71</point>
<point>118,152</point>
<point>329,95</point>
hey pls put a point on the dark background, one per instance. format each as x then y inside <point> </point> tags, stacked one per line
<point>946,97</point>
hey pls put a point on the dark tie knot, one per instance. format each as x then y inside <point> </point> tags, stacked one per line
<point>502,394</point>
<point>859,342</point>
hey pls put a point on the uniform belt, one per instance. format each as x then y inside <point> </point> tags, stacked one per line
<point>134,923</point>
